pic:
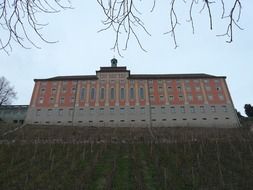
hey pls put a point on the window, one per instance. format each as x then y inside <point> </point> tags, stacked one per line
<point>141,93</point>
<point>151,89</point>
<point>73,90</point>
<point>111,110</point>
<point>160,89</point>
<point>173,109</point>
<point>206,81</point>
<point>70,112</point>
<point>179,89</point>
<point>142,110</point>
<point>132,110</point>
<point>62,100</point>
<point>112,93</point>
<point>208,88</point>
<point>171,98</point>
<point>64,90</point>
<point>225,109</point>
<point>181,98</point>
<point>221,97</point>
<point>53,91</point>
<point>101,110</point>
<point>182,109</point>
<point>200,98</point>
<point>131,93</point>
<point>197,88</point>
<point>102,93</point>
<point>60,112</point>
<point>82,94</point>
<point>92,110</point>
<point>38,111</point>
<point>49,112</point>
<point>210,97</point>
<point>169,88</point>
<point>163,109</point>
<point>122,93</point>
<point>92,94</point>
<point>188,88</point>
<point>81,111</point>
<point>42,91</point>
<point>213,109</point>
<point>64,83</point>
<point>41,100</point>
<point>152,109</point>
<point>190,97</point>
<point>192,109</point>
<point>122,110</point>
<point>51,100</point>
<point>161,98</point>
<point>202,109</point>
<point>72,99</point>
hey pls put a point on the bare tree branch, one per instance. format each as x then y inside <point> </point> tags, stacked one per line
<point>19,23</point>
<point>7,93</point>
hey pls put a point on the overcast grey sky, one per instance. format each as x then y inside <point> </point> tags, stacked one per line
<point>81,49</point>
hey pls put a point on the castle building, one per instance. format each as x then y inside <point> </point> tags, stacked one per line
<point>114,97</point>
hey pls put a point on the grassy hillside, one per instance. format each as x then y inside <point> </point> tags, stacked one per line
<point>126,158</point>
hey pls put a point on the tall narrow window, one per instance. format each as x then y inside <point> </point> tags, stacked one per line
<point>173,109</point>
<point>202,109</point>
<point>53,91</point>
<point>182,109</point>
<point>49,112</point>
<point>60,112</point>
<point>70,112</point>
<point>82,94</point>
<point>141,93</point>
<point>213,109</point>
<point>62,100</point>
<point>122,93</point>
<point>192,109</point>
<point>112,93</point>
<point>225,109</point>
<point>92,94</point>
<point>102,93</point>
<point>38,112</point>
<point>131,93</point>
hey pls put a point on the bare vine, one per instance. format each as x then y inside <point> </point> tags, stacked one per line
<point>19,21</point>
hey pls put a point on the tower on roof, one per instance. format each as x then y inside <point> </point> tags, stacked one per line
<point>114,62</point>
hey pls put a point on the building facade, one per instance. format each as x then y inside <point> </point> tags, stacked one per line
<point>114,97</point>
<point>13,114</point>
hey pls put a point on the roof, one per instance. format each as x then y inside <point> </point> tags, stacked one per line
<point>134,76</point>
<point>173,76</point>
<point>75,77</point>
